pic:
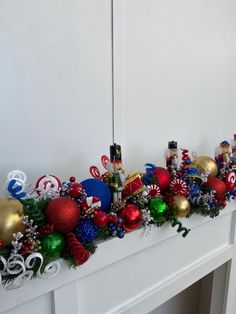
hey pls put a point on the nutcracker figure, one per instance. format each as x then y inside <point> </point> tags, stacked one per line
<point>223,155</point>
<point>233,157</point>
<point>116,173</point>
<point>172,156</point>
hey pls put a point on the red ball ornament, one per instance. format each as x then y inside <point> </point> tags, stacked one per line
<point>218,186</point>
<point>163,178</point>
<point>230,180</point>
<point>131,216</point>
<point>63,213</point>
<point>100,219</point>
<point>75,190</point>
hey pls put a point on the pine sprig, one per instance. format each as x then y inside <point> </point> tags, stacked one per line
<point>69,260</point>
<point>35,209</point>
<point>103,234</point>
<point>91,247</point>
<point>205,210</point>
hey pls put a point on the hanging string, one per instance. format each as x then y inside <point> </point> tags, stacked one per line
<point>112,71</point>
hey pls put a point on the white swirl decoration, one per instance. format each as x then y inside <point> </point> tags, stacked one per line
<point>49,271</point>
<point>16,265</point>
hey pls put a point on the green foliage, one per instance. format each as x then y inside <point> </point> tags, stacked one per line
<point>69,260</point>
<point>5,253</point>
<point>103,234</point>
<point>91,247</point>
<point>205,210</point>
<point>35,210</point>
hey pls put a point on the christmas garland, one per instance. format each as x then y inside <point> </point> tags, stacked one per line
<point>52,219</point>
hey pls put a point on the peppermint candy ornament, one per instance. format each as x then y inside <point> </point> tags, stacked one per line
<point>179,187</point>
<point>153,191</point>
<point>48,183</point>
<point>230,180</point>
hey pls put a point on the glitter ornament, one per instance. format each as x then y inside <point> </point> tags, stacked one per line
<point>131,216</point>
<point>157,208</point>
<point>63,213</point>
<point>216,185</point>
<point>86,231</point>
<point>52,245</point>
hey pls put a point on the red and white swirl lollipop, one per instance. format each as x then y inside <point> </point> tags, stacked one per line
<point>48,182</point>
<point>179,187</point>
<point>230,180</point>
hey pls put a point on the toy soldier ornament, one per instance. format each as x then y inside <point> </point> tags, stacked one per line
<point>116,177</point>
<point>172,156</point>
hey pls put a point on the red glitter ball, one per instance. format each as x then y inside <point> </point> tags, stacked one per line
<point>63,213</point>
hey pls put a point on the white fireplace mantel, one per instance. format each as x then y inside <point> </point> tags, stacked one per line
<point>138,273</point>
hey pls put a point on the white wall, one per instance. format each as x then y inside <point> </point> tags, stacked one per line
<point>176,64</point>
<point>55,86</point>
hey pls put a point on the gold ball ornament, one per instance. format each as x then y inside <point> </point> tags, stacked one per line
<point>180,206</point>
<point>204,162</point>
<point>11,219</point>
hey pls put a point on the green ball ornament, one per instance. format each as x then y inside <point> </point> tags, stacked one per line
<point>53,244</point>
<point>157,209</point>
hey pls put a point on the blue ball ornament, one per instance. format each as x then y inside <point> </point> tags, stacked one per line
<point>95,187</point>
<point>86,231</point>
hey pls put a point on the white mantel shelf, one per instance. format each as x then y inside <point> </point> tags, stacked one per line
<point>138,273</point>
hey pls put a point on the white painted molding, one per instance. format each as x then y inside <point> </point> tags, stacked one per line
<point>173,263</point>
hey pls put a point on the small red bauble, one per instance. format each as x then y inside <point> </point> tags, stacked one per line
<point>218,186</point>
<point>100,219</point>
<point>163,178</point>
<point>72,179</point>
<point>1,244</point>
<point>131,216</point>
<point>63,213</point>
<point>75,190</point>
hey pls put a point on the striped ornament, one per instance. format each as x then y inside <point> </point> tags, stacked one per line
<point>154,191</point>
<point>179,187</point>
